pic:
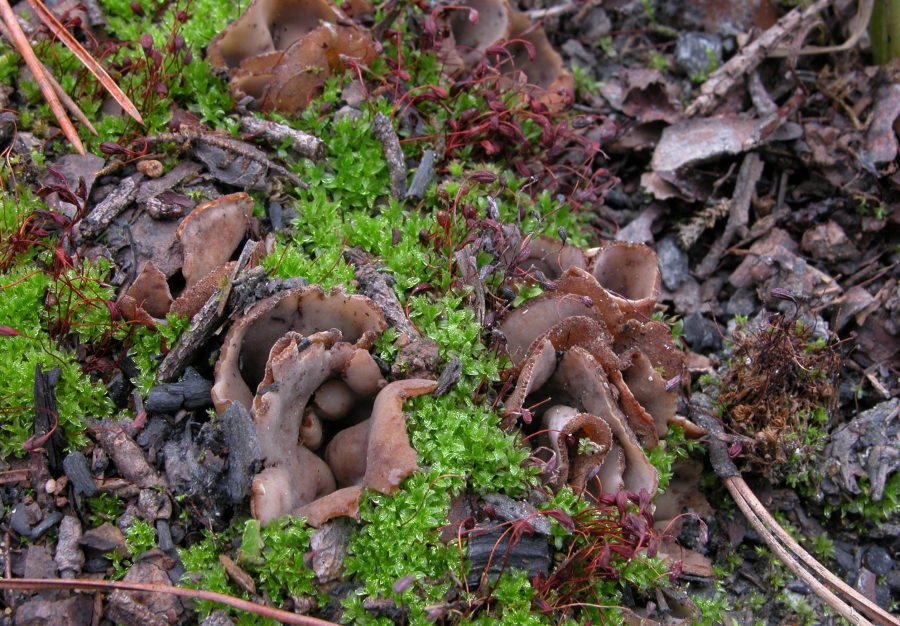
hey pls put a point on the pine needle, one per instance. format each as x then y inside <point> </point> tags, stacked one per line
<point>40,75</point>
<point>86,59</point>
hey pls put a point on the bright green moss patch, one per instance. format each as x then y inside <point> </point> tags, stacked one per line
<point>278,565</point>
<point>22,306</point>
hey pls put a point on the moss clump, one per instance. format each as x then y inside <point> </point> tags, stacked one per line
<point>780,391</point>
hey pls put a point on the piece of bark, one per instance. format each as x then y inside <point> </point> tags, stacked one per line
<point>390,144</point>
<point>103,214</point>
<point>450,376</point>
<point>69,557</point>
<point>748,176</point>
<point>376,286</point>
<point>489,549</point>
<point>423,176</point>
<point>141,608</point>
<point>154,187</point>
<point>125,453</point>
<point>302,143</point>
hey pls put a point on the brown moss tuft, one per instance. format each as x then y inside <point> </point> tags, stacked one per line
<point>778,385</point>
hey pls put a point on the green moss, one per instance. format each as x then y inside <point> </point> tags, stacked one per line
<point>24,291</point>
<point>280,571</point>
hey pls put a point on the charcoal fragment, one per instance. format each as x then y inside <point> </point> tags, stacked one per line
<point>75,465</point>
<point>45,524</point>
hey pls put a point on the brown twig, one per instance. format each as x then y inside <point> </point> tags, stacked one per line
<point>30,584</point>
<point>37,69</point>
<point>748,176</point>
<point>723,79</point>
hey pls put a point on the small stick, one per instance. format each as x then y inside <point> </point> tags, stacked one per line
<point>37,69</point>
<point>748,176</point>
<point>723,79</point>
<point>31,584</point>
<point>390,144</point>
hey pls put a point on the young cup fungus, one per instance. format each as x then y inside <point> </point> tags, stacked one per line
<point>475,28</point>
<point>279,52</point>
<point>209,236</point>
<point>300,362</point>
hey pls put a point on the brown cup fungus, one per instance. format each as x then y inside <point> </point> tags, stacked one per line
<point>529,53</point>
<point>281,51</point>
<point>305,353</point>
<point>209,236</point>
<point>596,375</point>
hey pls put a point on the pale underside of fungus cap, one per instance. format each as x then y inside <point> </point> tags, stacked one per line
<point>281,51</point>
<point>212,233</point>
<point>304,310</point>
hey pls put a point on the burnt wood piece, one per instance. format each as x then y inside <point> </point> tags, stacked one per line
<point>191,393</point>
<point>76,467</point>
<point>489,549</point>
<point>46,417</point>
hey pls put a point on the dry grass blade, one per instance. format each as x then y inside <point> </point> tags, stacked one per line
<point>771,529</point>
<point>784,547</point>
<point>286,617</point>
<point>63,96</point>
<point>37,69</point>
<point>86,59</point>
<point>842,608</point>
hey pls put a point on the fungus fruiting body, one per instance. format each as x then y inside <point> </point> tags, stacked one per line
<point>593,367</point>
<point>328,423</point>
<point>279,52</point>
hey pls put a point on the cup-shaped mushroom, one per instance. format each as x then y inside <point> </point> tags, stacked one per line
<point>211,234</point>
<point>590,336</point>
<point>544,69</point>
<point>311,433</point>
<point>551,257</point>
<point>346,454</point>
<point>334,399</point>
<point>270,25</point>
<point>579,380</point>
<point>577,294</point>
<point>649,389</point>
<point>580,442</point>
<point>304,310</point>
<point>630,271</point>
<point>150,291</point>
<point>298,479</point>
<point>281,51</point>
<point>475,33</point>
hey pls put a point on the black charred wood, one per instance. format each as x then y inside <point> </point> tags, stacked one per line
<point>191,393</point>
